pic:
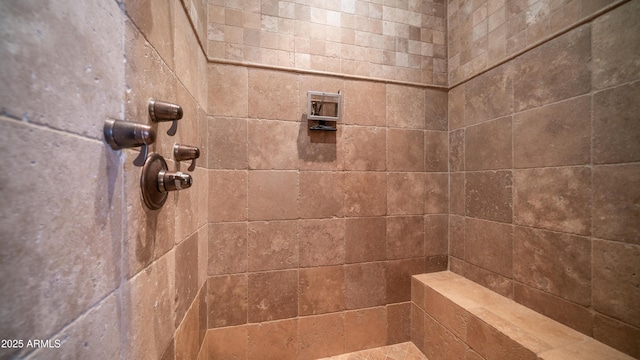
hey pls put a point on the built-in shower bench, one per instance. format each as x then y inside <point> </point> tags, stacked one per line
<point>455,318</point>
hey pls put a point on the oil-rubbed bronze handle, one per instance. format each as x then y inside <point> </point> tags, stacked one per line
<point>164,111</point>
<point>123,134</point>
<point>186,152</point>
<point>173,181</point>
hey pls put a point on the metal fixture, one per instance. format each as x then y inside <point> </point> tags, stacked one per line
<point>164,111</point>
<point>323,107</point>
<point>186,152</point>
<point>156,181</point>
<point>122,134</point>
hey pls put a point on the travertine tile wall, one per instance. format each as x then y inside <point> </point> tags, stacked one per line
<point>165,251</point>
<point>82,261</point>
<point>313,236</point>
<point>544,161</point>
<point>482,33</point>
<point>61,213</point>
<point>398,40</point>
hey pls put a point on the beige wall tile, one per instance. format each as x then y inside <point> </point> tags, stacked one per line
<point>615,40</point>
<point>614,293</point>
<point>364,285</point>
<point>436,145</point>
<point>562,65</point>
<point>457,202</point>
<point>227,248</point>
<point>186,50</point>
<point>78,96</point>
<point>272,245</point>
<point>565,270</point>
<point>405,150</point>
<point>405,107</point>
<point>187,341</point>
<point>62,240</point>
<point>399,323</point>
<point>405,237</point>
<point>321,290</point>
<point>456,150</point>
<point>398,276</point>
<point>488,146</point>
<point>271,145</point>
<point>365,103</point>
<point>489,246</point>
<point>227,300</point>
<point>271,94</point>
<point>148,300</point>
<point>553,199</point>
<point>148,77</point>
<point>417,327</point>
<point>488,96</point>
<point>321,336</point>
<point>364,148</point>
<point>456,100</point>
<point>273,195</point>
<point>437,196</point>
<point>365,329</point>
<point>488,195</point>
<point>230,342</point>
<point>365,194</point>
<point>436,232</point>
<point>228,90</point>
<point>228,145</point>
<point>322,242</point>
<point>616,334</point>
<point>615,209</point>
<point>321,194</point>
<point>94,335</point>
<point>365,239</point>
<point>186,276</point>
<point>228,196</point>
<point>279,337</point>
<point>405,193</point>
<point>273,295</point>
<point>616,129</point>
<point>554,135</point>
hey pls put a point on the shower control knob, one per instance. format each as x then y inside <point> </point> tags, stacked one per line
<point>164,111</point>
<point>172,181</point>
<point>186,152</point>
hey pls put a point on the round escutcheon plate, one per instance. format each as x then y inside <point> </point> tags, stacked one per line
<point>152,196</point>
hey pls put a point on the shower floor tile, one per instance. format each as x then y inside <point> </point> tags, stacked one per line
<point>403,351</point>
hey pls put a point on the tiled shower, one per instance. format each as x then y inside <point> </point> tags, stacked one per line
<point>497,139</point>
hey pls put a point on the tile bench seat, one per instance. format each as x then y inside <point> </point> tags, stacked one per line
<point>455,318</point>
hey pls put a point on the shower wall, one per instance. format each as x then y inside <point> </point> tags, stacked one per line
<point>480,33</point>
<point>396,40</point>
<point>165,251</point>
<point>313,236</point>
<point>82,261</point>
<point>61,215</point>
<point>544,178</point>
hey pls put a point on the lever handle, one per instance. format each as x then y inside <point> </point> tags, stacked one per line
<point>164,111</point>
<point>172,181</point>
<point>186,152</point>
<point>123,134</point>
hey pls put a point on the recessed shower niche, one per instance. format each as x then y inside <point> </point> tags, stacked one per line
<point>324,108</point>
